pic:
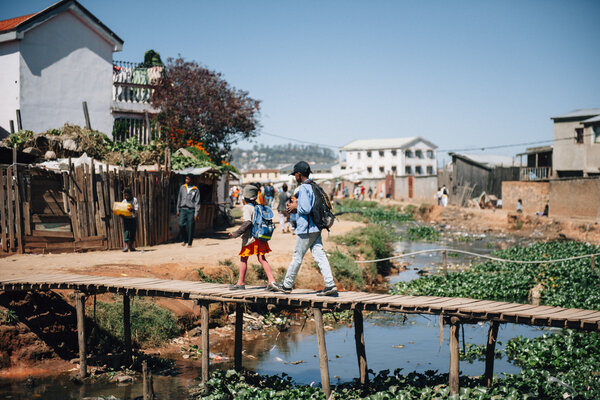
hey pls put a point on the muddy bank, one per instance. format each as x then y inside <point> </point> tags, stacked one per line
<point>499,221</point>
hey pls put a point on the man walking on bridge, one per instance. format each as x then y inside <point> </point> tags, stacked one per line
<point>308,236</point>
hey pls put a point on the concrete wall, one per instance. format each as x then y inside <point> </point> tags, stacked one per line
<point>567,154</point>
<point>535,195</point>
<point>424,188</point>
<point>64,62</point>
<point>9,85</point>
<point>575,198</point>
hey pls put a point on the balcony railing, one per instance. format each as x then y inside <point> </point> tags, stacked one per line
<point>536,173</point>
<point>134,84</point>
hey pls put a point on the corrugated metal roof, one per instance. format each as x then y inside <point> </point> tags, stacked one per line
<point>391,143</point>
<point>195,171</point>
<point>492,160</point>
<point>581,112</point>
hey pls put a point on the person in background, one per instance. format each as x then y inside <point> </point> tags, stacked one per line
<point>346,194</point>
<point>261,195</point>
<point>545,213</point>
<point>283,199</point>
<point>250,245</point>
<point>188,207</point>
<point>519,206</point>
<point>269,194</point>
<point>438,196</point>
<point>130,223</point>
<point>370,192</point>
<point>444,196</point>
<point>362,192</point>
<point>308,236</point>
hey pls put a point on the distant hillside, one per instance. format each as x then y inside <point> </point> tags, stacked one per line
<point>271,157</point>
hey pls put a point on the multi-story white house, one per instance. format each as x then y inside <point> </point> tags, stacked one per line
<point>51,62</point>
<point>54,60</point>
<point>375,158</point>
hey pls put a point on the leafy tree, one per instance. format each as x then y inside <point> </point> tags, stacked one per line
<point>198,105</point>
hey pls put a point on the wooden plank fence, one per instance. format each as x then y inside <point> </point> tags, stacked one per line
<point>42,211</point>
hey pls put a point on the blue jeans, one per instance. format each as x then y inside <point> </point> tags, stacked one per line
<point>311,241</point>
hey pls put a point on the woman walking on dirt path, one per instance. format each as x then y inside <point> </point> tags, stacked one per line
<point>130,222</point>
<point>250,245</point>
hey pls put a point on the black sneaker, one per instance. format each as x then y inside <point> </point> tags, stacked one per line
<point>237,287</point>
<point>278,287</point>
<point>328,291</point>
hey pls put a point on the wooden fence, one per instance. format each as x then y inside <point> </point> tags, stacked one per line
<point>42,211</point>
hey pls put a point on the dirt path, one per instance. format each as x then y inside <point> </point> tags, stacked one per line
<point>169,261</point>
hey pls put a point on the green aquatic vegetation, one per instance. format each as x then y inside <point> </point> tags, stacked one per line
<point>371,211</point>
<point>476,352</point>
<point>566,284</point>
<point>422,232</point>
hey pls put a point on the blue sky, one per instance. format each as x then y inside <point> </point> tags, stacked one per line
<point>459,73</point>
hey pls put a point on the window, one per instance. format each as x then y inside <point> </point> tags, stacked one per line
<point>380,153</point>
<point>343,167</point>
<point>380,169</point>
<point>369,154</point>
<point>429,170</point>
<point>369,170</point>
<point>419,154</point>
<point>394,152</point>
<point>408,170</point>
<point>597,134</point>
<point>394,169</point>
<point>418,170</point>
<point>358,155</point>
<point>429,153</point>
<point>408,154</point>
<point>579,135</point>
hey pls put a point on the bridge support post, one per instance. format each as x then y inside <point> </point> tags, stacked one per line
<point>361,354</point>
<point>239,325</point>
<point>323,360</point>
<point>80,308</point>
<point>127,329</point>
<point>205,346</point>
<point>454,356</point>
<point>490,352</point>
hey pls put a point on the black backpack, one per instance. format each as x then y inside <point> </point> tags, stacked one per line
<point>321,211</point>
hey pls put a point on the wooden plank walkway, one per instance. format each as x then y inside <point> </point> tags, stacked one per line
<point>455,311</point>
<point>469,309</point>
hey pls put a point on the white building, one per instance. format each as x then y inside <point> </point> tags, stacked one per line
<point>372,159</point>
<point>52,61</point>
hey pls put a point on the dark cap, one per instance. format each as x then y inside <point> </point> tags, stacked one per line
<point>302,167</point>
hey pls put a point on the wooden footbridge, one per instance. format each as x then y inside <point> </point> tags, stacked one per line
<point>453,311</point>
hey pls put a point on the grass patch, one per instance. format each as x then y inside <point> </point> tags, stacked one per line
<point>371,242</point>
<point>151,325</point>
<point>347,272</point>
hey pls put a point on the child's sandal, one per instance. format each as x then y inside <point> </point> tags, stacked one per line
<point>237,287</point>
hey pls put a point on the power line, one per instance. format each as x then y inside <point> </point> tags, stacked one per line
<point>482,148</point>
<point>299,141</point>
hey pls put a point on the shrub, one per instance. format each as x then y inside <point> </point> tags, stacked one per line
<point>151,325</point>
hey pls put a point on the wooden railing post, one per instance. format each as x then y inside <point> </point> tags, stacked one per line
<point>445,262</point>
<point>454,356</point>
<point>205,342</point>
<point>323,360</point>
<point>361,354</point>
<point>239,326</point>
<point>490,352</point>
<point>127,329</point>
<point>80,307</point>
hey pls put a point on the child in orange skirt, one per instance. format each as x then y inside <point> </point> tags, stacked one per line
<point>250,245</point>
